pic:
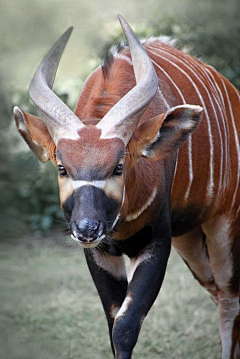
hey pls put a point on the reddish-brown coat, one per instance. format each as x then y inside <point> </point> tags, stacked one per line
<point>100,93</point>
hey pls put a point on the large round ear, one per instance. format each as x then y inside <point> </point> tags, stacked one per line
<point>165,134</point>
<point>34,132</point>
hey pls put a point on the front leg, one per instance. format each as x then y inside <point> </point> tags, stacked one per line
<point>109,275</point>
<point>147,277</point>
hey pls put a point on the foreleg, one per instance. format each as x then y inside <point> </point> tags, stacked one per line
<point>147,277</point>
<point>110,278</point>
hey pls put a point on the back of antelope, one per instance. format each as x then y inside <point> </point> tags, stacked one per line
<point>134,177</point>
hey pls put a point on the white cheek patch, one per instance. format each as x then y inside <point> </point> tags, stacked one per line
<point>98,184</point>
<point>65,189</point>
<point>113,189</point>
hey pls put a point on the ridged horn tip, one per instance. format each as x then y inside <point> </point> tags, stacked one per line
<point>67,33</point>
<point>59,46</point>
<point>16,110</point>
<point>50,62</point>
<point>127,29</point>
<point>124,23</point>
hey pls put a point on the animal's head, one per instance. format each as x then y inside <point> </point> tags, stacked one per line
<point>93,160</point>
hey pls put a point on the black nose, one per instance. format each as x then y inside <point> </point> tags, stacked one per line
<point>87,229</point>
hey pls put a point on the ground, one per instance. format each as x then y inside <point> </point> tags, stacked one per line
<point>50,308</point>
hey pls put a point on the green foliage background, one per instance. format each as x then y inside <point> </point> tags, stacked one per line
<point>29,194</point>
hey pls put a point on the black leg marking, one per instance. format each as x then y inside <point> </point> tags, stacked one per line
<point>111,289</point>
<point>141,294</point>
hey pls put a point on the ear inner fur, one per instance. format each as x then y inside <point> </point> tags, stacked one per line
<point>38,129</point>
<point>23,121</point>
<point>174,127</point>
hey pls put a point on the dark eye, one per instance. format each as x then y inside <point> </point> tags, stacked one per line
<point>118,170</point>
<point>62,171</point>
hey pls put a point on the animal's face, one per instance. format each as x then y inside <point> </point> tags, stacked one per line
<point>91,184</point>
<point>91,160</point>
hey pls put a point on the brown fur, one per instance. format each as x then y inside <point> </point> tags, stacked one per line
<point>101,92</point>
<point>90,153</point>
<point>182,79</point>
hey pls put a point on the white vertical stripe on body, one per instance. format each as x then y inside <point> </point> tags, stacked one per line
<point>226,128</point>
<point>200,74</point>
<point>236,142</point>
<point>189,137</point>
<point>211,164</point>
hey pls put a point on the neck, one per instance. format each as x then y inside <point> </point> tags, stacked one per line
<point>140,197</point>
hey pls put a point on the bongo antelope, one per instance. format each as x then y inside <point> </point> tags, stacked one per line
<point>134,177</point>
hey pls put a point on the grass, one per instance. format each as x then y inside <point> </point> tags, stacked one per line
<point>50,309</point>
